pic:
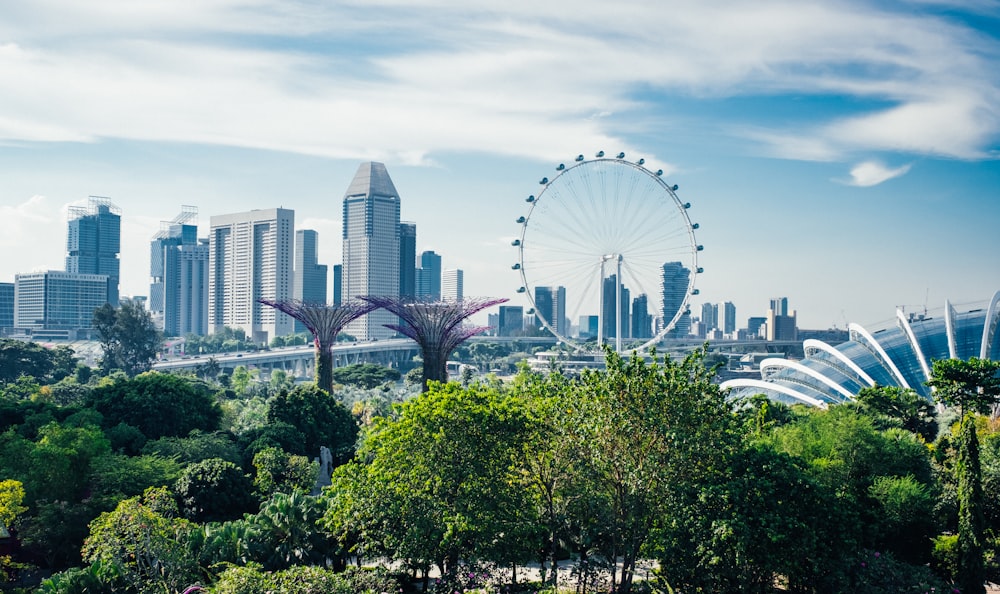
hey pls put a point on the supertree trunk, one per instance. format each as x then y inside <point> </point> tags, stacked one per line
<point>325,322</point>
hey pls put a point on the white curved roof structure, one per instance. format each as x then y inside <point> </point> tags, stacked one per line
<point>832,374</point>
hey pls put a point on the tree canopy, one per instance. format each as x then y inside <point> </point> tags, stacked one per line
<point>128,337</point>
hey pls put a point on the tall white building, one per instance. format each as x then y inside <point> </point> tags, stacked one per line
<point>452,284</point>
<point>371,246</point>
<point>250,258</point>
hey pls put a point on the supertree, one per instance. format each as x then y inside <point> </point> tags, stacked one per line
<point>325,322</point>
<point>436,326</point>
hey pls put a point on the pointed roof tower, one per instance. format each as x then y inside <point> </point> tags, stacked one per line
<point>372,179</point>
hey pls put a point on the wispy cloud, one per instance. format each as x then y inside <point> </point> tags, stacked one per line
<point>526,79</point>
<point>872,173</point>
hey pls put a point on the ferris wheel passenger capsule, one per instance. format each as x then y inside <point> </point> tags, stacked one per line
<point>659,172</point>
<point>561,167</point>
<point>700,247</point>
<point>515,267</point>
<point>696,292</point>
<point>674,187</point>
<point>529,199</point>
<point>621,155</point>
<point>579,158</point>
<point>521,289</point>
<point>687,205</point>
<point>600,154</point>
<point>641,162</point>
<point>544,181</point>
<point>520,220</point>
<point>700,270</point>
<point>516,242</point>
<point>695,226</point>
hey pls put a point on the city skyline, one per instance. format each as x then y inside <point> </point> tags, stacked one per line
<point>841,154</point>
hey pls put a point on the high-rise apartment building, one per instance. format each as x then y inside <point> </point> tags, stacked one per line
<point>674,281</point>
<point>453,284</point>
<point>429,276</point>
<point>178,268</point>
<point>93,242</point>
<point>310,276</point>
<point>250,258</point>
<point>371,246</point>
<point>779,326</point>
<point>407,260</point>
<point>57,304</point>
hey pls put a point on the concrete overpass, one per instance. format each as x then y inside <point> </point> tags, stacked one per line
<point>300,361</point>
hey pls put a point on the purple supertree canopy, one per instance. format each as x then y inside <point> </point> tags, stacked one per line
<point>437,323</point>
<point>324,321</point>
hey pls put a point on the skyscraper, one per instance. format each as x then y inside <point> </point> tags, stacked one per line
<point>429,276</point>
<point>407,260</point>
<point>727,313</point>
<point>608,317</point>
<point>710,315</point>
<point>550,303</point>
<point>453,284</point>
<point>250,258</point>
<point>511,321</point>
<point>779,305</point>
<point>6,307</point>
<point>338,276</point>
<point>310,276</point>
<point>94,241</point>
<point>674,279</point>
<point>371,246</point>
<point>642,321</point>
<point>178,268</point>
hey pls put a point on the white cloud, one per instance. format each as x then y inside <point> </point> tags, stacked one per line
<point>526,79</point>
<point>872,173</point>
<point>21,225</point>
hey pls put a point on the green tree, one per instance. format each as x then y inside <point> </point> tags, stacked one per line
<point>278,471</point>
<point>366,375</point>
<point>319,417</point>
<point>974,387</point>
<point>144,544</point>
<point>892,406</point>
<point>158,404</point>
<point>19,358</point>
<point>441,482</point>
<point>214,490</point>
<point>128,337</point>
<point>11,498</point>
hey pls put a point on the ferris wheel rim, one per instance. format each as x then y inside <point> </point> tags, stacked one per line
<point>670,199</point>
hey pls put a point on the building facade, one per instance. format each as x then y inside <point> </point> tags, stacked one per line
<point>93,242</point>
<point>675,282</point>
<point>408,260</point>
<point>6,308</point>
<point>178,269</point>
<point>429,276</point>
<point>511,321</point>
<point>371,246</point>
<point>250,258</point>
<point>57,304</point>
<point>310,276</point>
<point>550,304</point>
<point>453,284</point>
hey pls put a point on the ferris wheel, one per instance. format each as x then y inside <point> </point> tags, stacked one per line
<point>607,251</point>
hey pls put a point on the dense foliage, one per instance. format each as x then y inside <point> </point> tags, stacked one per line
<point>157,482</point>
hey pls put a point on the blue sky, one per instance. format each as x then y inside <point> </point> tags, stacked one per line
<point>842,154</point>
